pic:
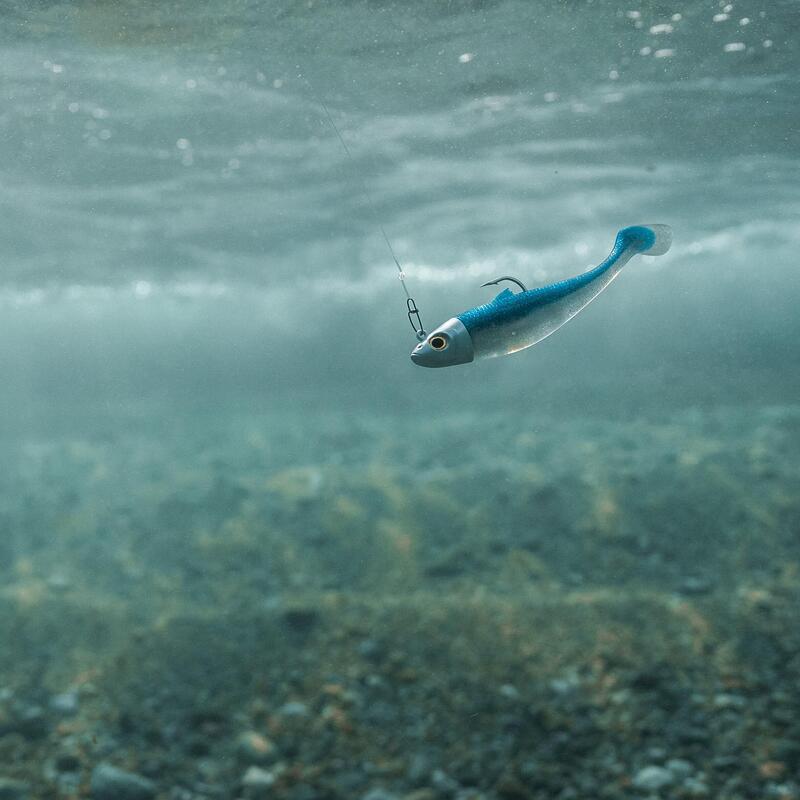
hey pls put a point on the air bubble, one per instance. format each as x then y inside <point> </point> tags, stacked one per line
<point>142,288</point>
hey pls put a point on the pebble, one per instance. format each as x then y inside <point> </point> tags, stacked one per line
<point>67,761</point>
<point>509,691</point>
<point>300,619</point>
<point>111,783</point>
<point>293,709</point>
<point>680,768</point>
<point>253,748</point>
<point>729,701</point>
<point>371,650</point>
<point>419,769</point>
<point>693,585</point>
<point>379,794</point>
<point>257,783</point>
<point>29,722</point>
<point>782,791</point>
<point>695,788</point>
<point>653,778</point>
<point>421,794</point>
<point>443,783</point>
<point>65,704</point>
<point>12,790</point>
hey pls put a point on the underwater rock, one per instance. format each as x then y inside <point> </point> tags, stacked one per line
<point>257,783</point>
<point>443,783</point>
<point>680,768</point>
<point>732,702</point>
<point>372,650</point>
<point>379,794</point>
<point>695,788</point>
<point>421,794</point>
<point>301,619</point>
<point>65,703</point>
<point>111,783</point>
<point>294,708</point>
<point>29,722</point>
<point>696,586</point>
<point>253,748</point>
<point>11,789</point>
<point>67,761</point>
<point>653,778</point>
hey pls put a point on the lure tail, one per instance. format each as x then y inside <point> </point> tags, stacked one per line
<point>650,240</point>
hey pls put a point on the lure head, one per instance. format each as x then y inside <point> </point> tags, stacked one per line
<point>448,345</point>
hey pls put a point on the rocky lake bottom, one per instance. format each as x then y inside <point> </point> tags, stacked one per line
<point>320,607</point>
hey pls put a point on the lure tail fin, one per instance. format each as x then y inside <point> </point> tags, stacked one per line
<point>650,240</point>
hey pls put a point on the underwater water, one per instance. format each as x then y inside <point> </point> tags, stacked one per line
<point>249,550</point>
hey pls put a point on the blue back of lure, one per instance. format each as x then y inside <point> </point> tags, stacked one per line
<point>515,321</point>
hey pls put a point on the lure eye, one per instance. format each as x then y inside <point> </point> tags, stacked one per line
<point>438,342</point>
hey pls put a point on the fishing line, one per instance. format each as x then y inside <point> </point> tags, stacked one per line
<point>411,305</point>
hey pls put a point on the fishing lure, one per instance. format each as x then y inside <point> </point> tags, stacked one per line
<point>513,321</point>
<point>516,320</point>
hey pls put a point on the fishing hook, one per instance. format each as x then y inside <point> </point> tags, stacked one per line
<point>506,278</point>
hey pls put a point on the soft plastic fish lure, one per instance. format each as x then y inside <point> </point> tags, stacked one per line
<point>514,321</point>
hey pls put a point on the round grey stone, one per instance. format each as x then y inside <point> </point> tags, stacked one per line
<point>111,783</point>
<point>653,778</point>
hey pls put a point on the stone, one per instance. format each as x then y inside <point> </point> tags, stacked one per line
<point>253,748</point>
<point>443,783</point>
<point>257,783</point>
<point>509,691</point>
<point>729,701</point>
<point>679,768</point>
<point>293,708</point>
<point>379,794</point>
<point>11,789</point>
<point>695,585</point>
<point>111,783</point>
<point>695,788</point>
<point>653,778</point>
<point>301,619</point>
<point>65,704</point>
<point>421,794</point>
